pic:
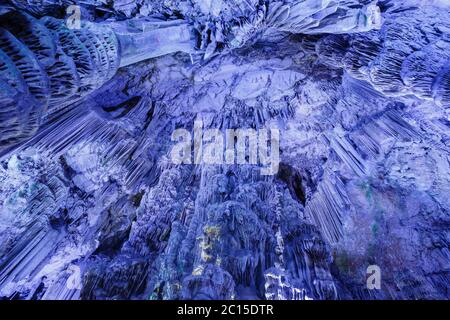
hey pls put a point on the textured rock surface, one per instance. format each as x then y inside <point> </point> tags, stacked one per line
<point>92,207</point>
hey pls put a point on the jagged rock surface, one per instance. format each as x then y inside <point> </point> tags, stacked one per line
<point>92,207</point>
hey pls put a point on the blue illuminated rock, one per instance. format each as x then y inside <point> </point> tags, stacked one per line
<point>93,207</point>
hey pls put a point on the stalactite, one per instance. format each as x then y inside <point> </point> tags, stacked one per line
<point>93,207</point>
<point>397,60</point>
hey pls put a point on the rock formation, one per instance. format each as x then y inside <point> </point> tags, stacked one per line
<point>93,207</point>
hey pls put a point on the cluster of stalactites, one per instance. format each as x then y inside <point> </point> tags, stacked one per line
<point>250,23</point>
<point>326,16</point>
<point>409,55</point>
<point>44,66</point>
<point>48,7</point>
